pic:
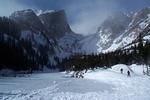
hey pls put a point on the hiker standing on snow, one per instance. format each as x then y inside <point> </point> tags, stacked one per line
<point>128,73</point>
<point>121,70</point>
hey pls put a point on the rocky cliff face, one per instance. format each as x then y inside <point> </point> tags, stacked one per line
<point>55,23</point>
<point>28,20</point>
<point>58,28</point>
<point>48,31</point>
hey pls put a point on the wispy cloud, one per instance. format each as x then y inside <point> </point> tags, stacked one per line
<point>9,6</point>
<point>90,14</point>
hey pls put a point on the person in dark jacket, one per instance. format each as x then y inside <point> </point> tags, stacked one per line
<point>121,70</point>
<point>128,73</point>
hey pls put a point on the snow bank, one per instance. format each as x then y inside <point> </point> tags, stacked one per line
<point>7,72</point>
<point>147,37</point>
<point>117,68</point>
<point>137,69</point>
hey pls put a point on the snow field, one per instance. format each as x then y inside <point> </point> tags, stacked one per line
<point>97,85</point>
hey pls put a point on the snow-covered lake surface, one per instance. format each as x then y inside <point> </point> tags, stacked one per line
<point>97,85</point>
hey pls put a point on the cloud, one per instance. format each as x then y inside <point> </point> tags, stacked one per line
<point>84,15</point>
<point>89,14</point>
<point>87,22</point>
<point>9,6</point>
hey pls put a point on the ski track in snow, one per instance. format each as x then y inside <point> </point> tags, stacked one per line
<point>97,85</point>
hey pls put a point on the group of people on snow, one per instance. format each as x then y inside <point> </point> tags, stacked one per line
<point>128,72</point>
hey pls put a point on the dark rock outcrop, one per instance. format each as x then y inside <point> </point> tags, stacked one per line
<point>55,23</point>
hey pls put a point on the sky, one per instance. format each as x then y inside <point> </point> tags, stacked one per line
<point>84,16</point>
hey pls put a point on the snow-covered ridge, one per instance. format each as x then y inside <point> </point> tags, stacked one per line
<point>39,12</point>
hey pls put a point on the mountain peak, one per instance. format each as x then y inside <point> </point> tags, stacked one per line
<point>40,12</point>
<point>23,12</point>
<point>54,21</point>
<point>27,19</point>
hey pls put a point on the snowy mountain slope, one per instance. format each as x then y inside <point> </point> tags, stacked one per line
<point>98,85</point>
<point>89,44</point>
<point>119,30</point>
<point>137,26</point>
<point>69,44</point>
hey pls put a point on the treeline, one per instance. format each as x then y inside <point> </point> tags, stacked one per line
<point>139,54</point>
<point>18,54</point>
